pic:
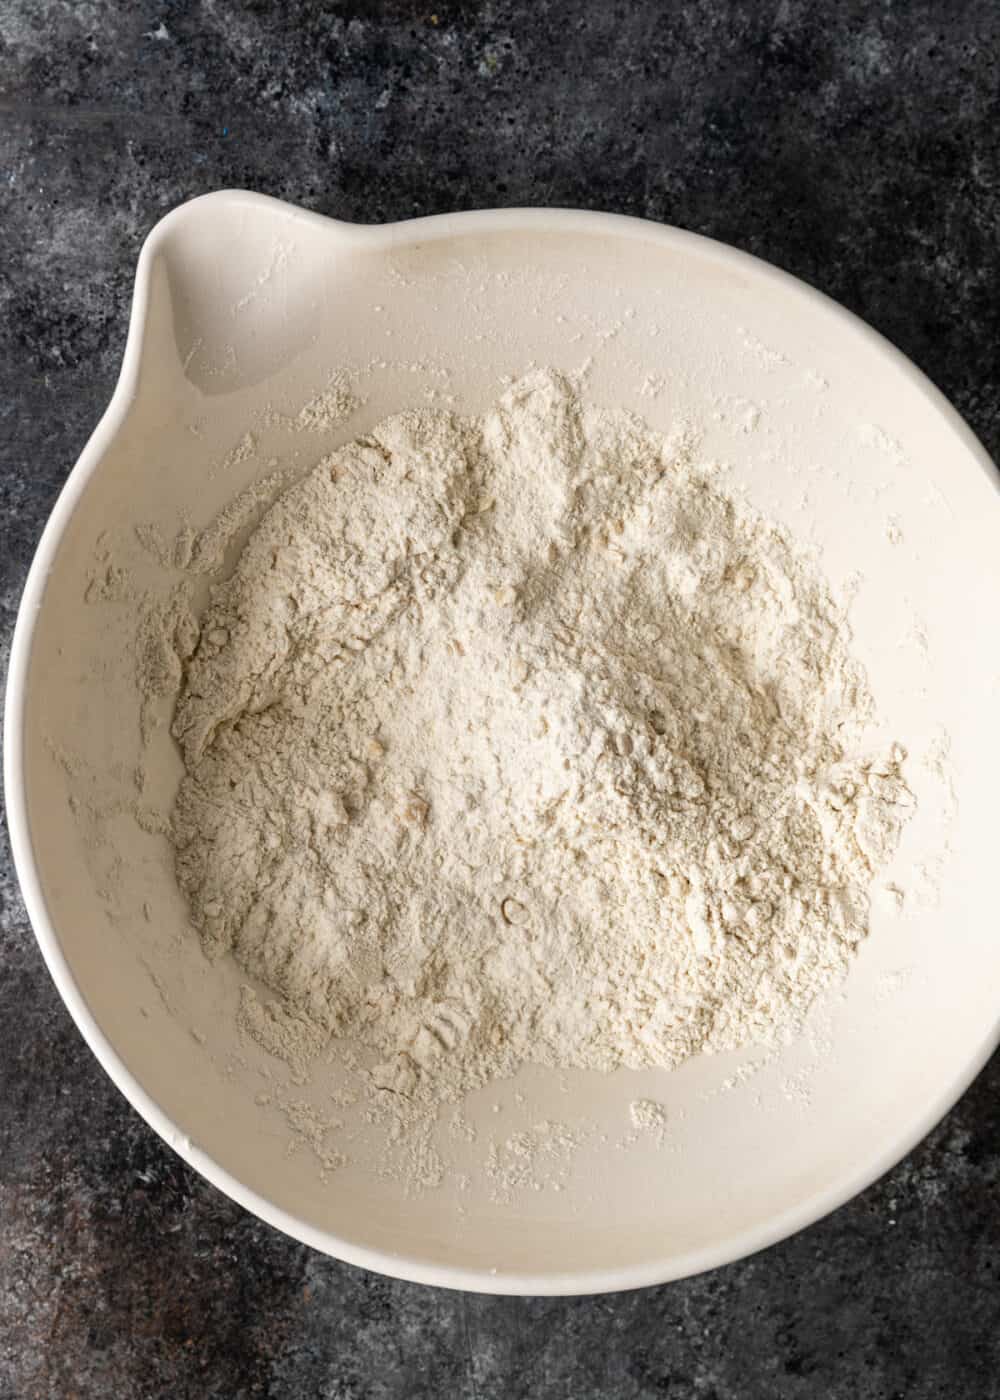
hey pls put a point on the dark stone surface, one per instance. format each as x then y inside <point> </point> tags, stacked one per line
<point>857,145</point>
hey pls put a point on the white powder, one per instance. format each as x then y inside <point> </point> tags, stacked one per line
<point>648,1114</point>
<point>536,1159</point>
<point>324,412</point>
<point>512,740</point>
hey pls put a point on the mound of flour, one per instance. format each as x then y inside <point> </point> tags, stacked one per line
<point>514,739</point>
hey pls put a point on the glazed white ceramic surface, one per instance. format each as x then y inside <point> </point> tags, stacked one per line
<point>245,305</point>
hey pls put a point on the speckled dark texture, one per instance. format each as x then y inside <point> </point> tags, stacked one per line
<point>857,145</point>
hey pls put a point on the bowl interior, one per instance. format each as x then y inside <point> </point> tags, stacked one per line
<point>245,309</point>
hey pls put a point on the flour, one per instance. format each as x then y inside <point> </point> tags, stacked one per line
<point>322,413</point>
<point>242,452</point>
<point>514,739</point>
<point>536,1159</point>
<point>650,1123</point>
<point>648,1115</point>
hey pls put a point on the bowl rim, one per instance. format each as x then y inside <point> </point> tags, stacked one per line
<point>402,1265</point>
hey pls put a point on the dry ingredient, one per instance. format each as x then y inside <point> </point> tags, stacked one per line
<point>515,739</point>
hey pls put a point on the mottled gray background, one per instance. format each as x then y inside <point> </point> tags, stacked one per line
<point>857,145</point>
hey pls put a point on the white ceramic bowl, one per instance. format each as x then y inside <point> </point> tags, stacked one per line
<point>241,302</point>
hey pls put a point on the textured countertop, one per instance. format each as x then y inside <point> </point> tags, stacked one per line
<point>856,145</point>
